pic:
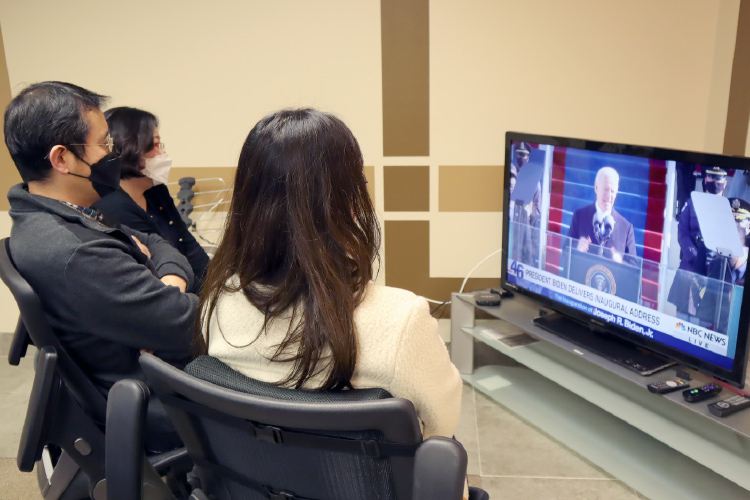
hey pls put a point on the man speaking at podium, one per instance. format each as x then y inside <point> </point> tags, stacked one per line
<point>599,228</point>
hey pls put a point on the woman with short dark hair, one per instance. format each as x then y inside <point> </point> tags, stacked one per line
<point>143,201</point>
<point>289,297</point>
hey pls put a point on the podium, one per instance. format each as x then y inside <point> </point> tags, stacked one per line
<point>601,273</point>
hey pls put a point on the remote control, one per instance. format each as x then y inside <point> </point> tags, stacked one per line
<point>729,406</point>
<point>701,393</point>
<point>487,299</point>
<point>666,386</point>
<point>506,294</point>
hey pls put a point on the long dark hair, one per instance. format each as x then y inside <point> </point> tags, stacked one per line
<point>301,237</point>
<point>132,131</point>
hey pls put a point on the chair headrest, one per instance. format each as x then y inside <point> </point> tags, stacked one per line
<point>216,372</point>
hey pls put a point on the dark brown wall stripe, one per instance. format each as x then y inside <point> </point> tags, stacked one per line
<point>407,189</point>
<point>405,35</point>
<point>8,172</point>
<point>407,261</point>
<point>738,111</point>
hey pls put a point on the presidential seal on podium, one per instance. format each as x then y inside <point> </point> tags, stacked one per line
<point>602,279</point>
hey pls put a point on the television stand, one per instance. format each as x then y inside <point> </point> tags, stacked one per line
<point>626,354</point>
<point>660,445</point>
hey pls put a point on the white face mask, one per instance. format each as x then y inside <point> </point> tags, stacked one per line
<point>157,168</point>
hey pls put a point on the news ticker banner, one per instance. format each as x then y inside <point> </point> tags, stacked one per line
<point>635,318</point>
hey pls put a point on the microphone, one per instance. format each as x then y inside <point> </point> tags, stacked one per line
<point>597,224</point>
<point>608,226</point>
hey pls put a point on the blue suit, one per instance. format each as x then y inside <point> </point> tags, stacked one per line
<point>622,239</point>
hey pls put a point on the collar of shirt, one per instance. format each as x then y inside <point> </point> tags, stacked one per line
<point>91,213</point>
<point>601,214</point>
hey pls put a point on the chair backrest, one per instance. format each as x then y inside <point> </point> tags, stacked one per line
<point>41,334</point>
<point>270,442</point>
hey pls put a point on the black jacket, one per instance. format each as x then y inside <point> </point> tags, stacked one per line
<point>102,296</point>
<point>161,218</point>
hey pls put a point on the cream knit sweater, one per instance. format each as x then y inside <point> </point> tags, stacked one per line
<point>398,349</point>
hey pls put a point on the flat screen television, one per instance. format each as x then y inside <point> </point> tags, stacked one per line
<point>636,249</point>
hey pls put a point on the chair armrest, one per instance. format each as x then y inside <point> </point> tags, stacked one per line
<point>19,343</point>
<point>38,412</point>
<point>125,438</point>
<point>439,470</point>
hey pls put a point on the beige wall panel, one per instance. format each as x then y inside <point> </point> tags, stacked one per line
<point>739,94</point>
<point>407,189</point>
<point>634,72</point>
<point>8,307</point>
<point>459,241</point>
<point>471,189</point>
<point>8,172</point>
<point>718,96</point>
<point>209,70</point>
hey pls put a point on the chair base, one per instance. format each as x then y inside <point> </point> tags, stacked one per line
<point>478,494</point>
<point>63,481</point>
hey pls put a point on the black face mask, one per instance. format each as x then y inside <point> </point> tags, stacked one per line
<point>105,174</point>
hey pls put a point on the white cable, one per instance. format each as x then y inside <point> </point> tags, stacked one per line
<point>466,278</point>
<point>461,290</point>
<point>212,204</point>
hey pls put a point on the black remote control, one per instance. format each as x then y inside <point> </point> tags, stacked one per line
<point>729,406</point>
<point>487,299</point>
<point>701,393</point>
<point>666,386</point>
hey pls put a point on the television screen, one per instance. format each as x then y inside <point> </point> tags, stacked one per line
<point>649,244</point>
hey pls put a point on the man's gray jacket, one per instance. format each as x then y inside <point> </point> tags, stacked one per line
<point>102,296</point>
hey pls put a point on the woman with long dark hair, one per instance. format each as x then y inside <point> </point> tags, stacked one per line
<point>289,298</point>
<point>143,201</point>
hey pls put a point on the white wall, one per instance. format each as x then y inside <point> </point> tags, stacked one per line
<point>209,70</point>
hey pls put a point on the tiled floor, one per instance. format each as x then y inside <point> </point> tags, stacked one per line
<point>507,456</point>
<point>511,459</point>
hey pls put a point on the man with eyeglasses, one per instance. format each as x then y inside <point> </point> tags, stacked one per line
<point>105,288</point>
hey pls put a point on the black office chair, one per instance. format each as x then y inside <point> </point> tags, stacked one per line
<point>64,428</point>
<point>251,440</point>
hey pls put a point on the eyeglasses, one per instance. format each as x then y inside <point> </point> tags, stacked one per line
<point>160,147</point>
<point>110,143</point>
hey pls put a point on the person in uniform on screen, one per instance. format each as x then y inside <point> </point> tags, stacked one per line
<point>688,282</point>
<point>734,273</point>
<point>521,158</point>
<point>599,228</point>
<point>520,245</point>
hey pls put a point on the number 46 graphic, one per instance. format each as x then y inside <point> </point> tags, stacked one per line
<point>517,269</point>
